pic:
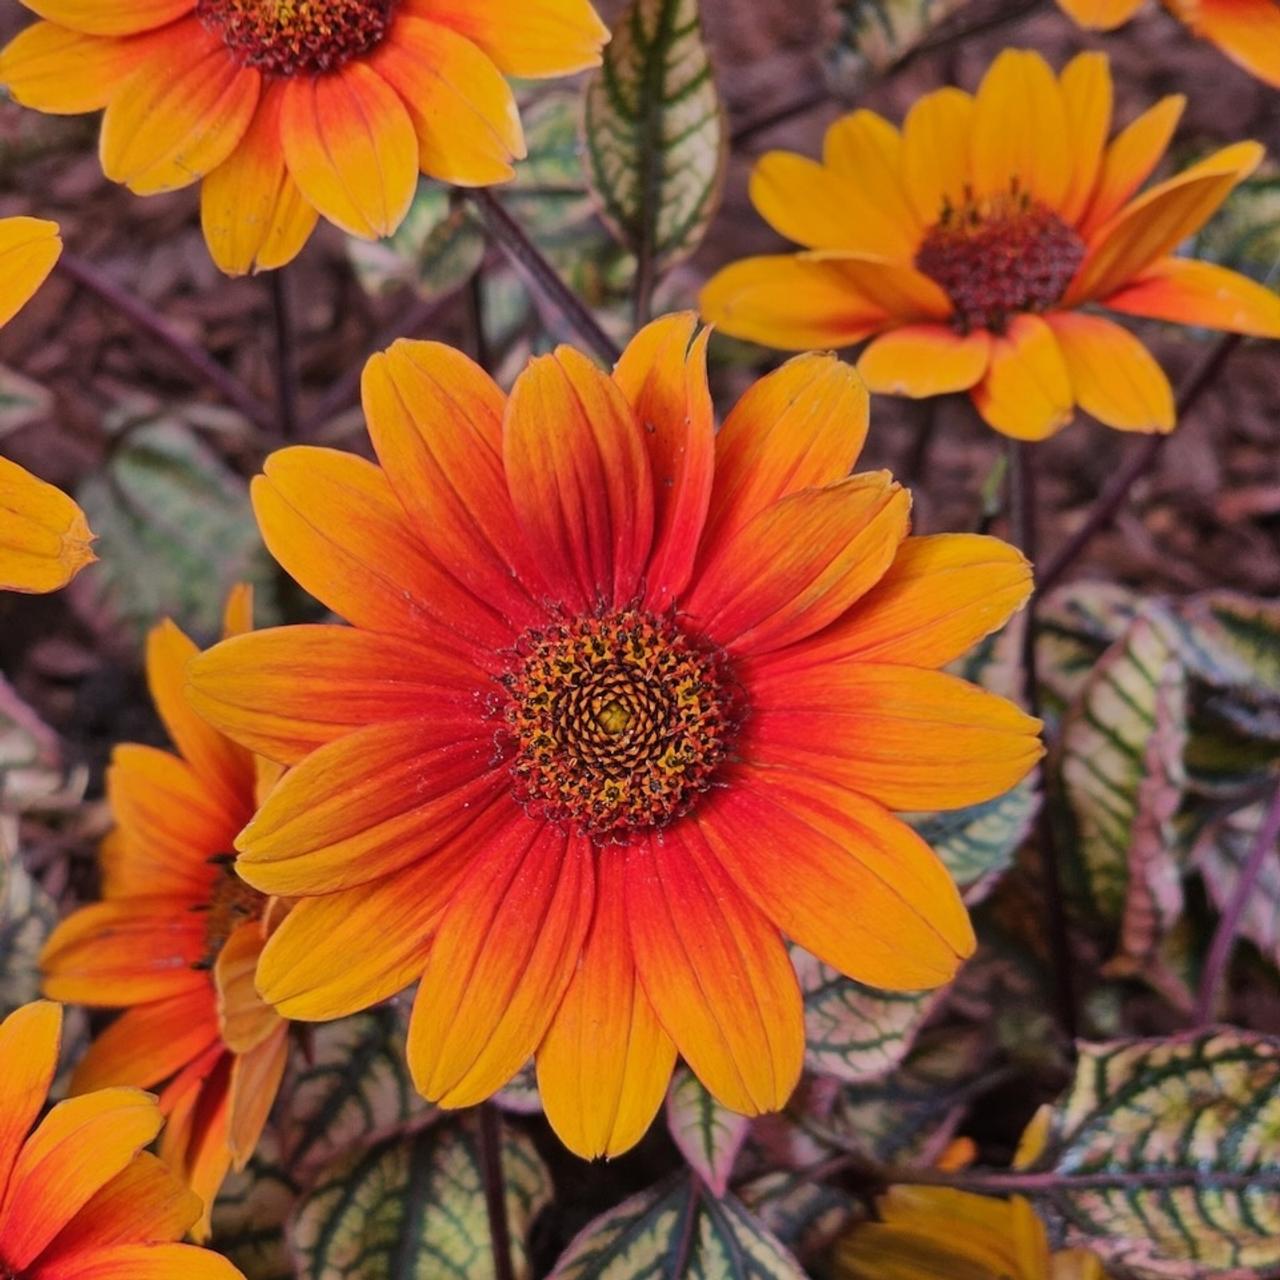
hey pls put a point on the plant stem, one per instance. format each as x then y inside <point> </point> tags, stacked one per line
<point>286,356</point>
<point>688,1229</point>
<point>1024,509</point>
<point>1116,492</point>
<point>1218,961</point>
<point>475,317</point>
<point>193,358</point>
<point>495,1192</point>
<point>507,233</point>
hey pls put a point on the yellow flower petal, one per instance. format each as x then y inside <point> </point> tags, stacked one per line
<point>921,360</point>
<point>935,151</point>
<point>29,250</point>
<point>1027,391</point>
<point>44,539</point>
<point>1086,95</point>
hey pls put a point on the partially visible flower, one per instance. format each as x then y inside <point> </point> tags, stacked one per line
<point>177,938</point>
<point>79,1198</point>
<point>624,701</point>
<point>1247,31</point>
<point>936,1233</point>
<point>974,245</point>
<point>44,539</point>
<point>291,110</point>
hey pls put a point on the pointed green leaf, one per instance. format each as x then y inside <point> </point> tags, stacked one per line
<point>1175,1140</point>
<point>655,132</point>
<point>805,1215</point>
<point>415,1207</point>
<point>708,1134</point>
<point>1122,744</point>
<point>355,1090</point>
<point>647,1236</point>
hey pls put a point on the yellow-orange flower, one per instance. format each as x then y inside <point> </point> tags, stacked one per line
<point>177,938</point>
<point>44,538</point>
<point>936,1233</point>
<point>290,109</point>
<point>1247,31</point>
<point>624,701</point>
<point>973,240</point>
<point>79,1198</point>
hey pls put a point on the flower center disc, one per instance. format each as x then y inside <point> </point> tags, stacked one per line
<point>618,723</point>
<point>297,37</point>
<point>998,256</point>
<point>231,903</point>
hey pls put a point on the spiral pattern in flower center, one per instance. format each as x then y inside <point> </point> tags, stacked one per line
<point>618,723</point>
<point>999,255</point>
<point>297,37</point>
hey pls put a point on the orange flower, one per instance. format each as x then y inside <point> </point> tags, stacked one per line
<point>44,539</point>
<point>177,938</point>
<point>973,241</point>
<point>935,1233</point>
<point>623,702</point>
<point>290,109</point>
<point>79,1199</point>
<point>1247,31</point>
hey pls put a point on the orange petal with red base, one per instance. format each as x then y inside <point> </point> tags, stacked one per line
<point>145,1204</point>
<point>549,38</point>
<point>119,18</point>
<point>715,970</point>
<point>604,1066</point>
<point>800,564</point>
<point>941,595</point>
<point>462,109</point>
<point>351,147</point>
<point>1027,391</point>
<point>1184,291</point>
<point>335,524</point>
<point>255,1082</point>
<point>288,690</point>
<point>254,216</point>
<point>140,1262</point>
<point>180,115</point>
<point>1247,31</point>
<point>663,374</point>
<point>913,740</point>
<point>799,427</point>
<point>1113,376</point>
<point>805,852</point>
<point>217,762</point>
<point>30,1039</point>
<point>370,803</point>
<point>113,954</point>
<point>507,948</point>
<point>580,480</point>
<point>922,360</point>
<point>74,1151</point>
<point>150,1042</point>
<point>435,418</point>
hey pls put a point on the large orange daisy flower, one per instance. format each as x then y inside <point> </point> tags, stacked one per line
<point>44,539</point>
<point>623,702</point>
<point>177,938</point>
<point>290,109</point>
<point>1247,31</point>
<point>79,1198</point>
<point>978,241</point>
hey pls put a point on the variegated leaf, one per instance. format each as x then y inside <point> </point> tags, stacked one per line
<point>1122,767</point>
<point>1167,1155</point>
<point>27,916</point>
<point>708,1134</point>
<point>874,34</point>
<point>651,1235</point>
<point>1075,625</point>
<point>655,132</point>
<point>249,1217</point>
<point>804,1214</point>
<point>415,1207</point>
<point>1220,853</point>
<point>354,1090</point>
<point>853,1032</point>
